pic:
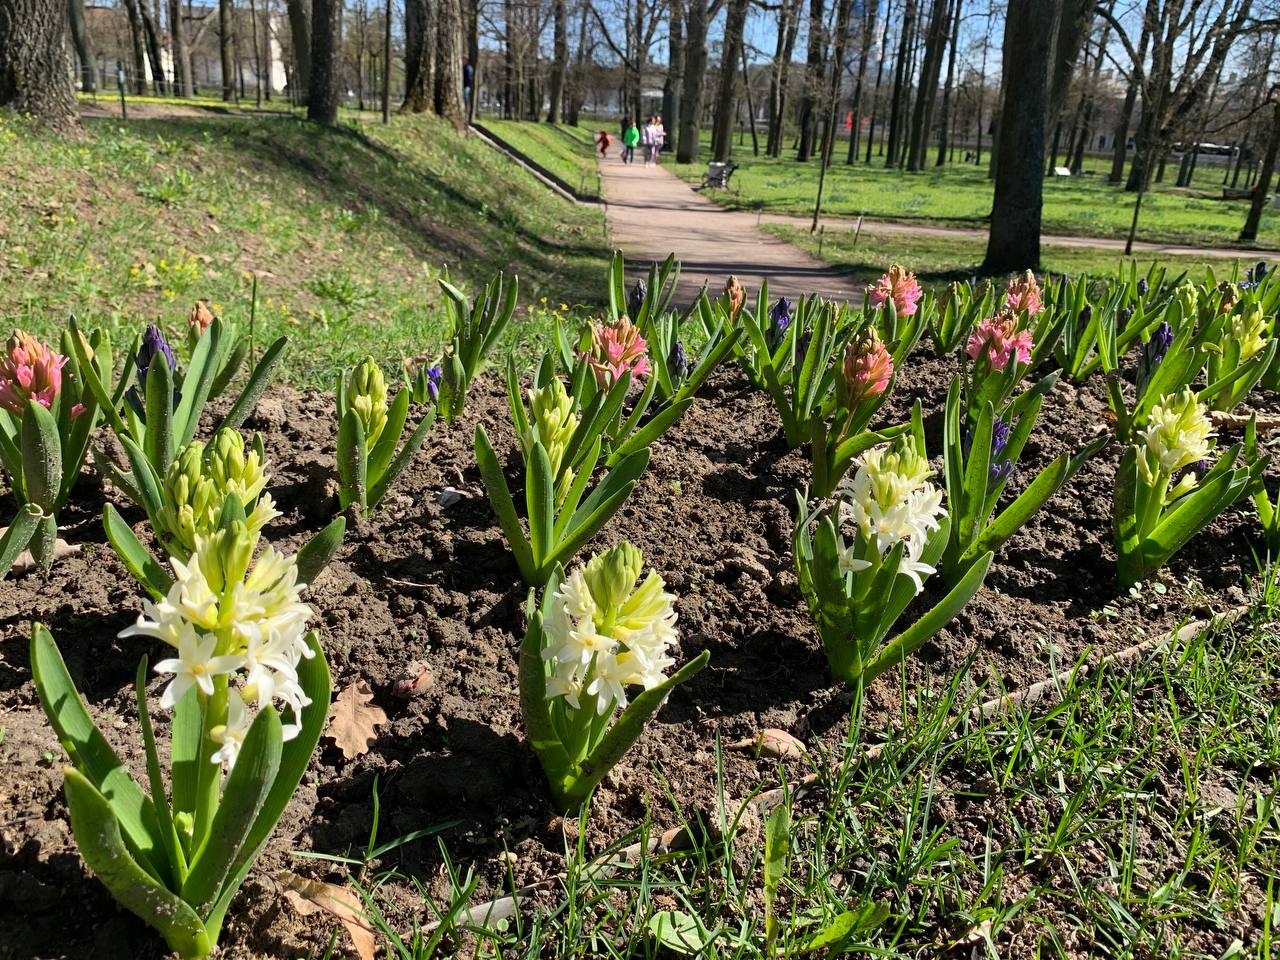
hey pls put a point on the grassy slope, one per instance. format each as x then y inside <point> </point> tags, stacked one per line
<point>1081,206</point>
<point>347,230</point>
<point>568,152</point>
<point>937,260</point>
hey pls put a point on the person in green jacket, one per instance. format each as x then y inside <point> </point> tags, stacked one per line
<point>629,140</point>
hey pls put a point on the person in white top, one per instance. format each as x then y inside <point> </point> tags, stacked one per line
<point>647,141</point>
<point>660,138</point>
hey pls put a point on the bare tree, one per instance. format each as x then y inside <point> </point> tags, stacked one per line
<point>944,125</point>
<point>868,31</point>
<point>33,61</point>
<point>226,34</point>
<point>418,55</point>
<point>84,45</point>
<point>731,49</point>
<point>137,38</point>
<point>930,73</point>
<point>560,65</point>
<point>780,73</point>
<point>901,80</point>
<point>299,13</point>
<point>1259,200</point>
<point>701,13</point>
<point>814,73</point>
<point>674,80</point>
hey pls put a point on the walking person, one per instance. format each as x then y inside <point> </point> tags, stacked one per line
<point>648,138</point>
<point>602,143</point>
<point>622,138</point>
<point>629,141</point>
<point>659,138</point>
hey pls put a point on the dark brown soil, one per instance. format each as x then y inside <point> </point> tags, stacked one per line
<point>422,583</point>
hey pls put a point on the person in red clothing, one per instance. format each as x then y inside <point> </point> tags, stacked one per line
<point>602,143</point>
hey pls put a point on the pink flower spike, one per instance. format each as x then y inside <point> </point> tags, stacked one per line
<point>29,370</point>
<point>77,410</point>
<point>999,339</point>
<point>618,348</point>
<point>899,286</point>
<point>868,368</point>
<point>1023,293</point>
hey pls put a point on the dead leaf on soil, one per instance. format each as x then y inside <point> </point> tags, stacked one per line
<point>26,563</point>
<point>310,896</point>
<point>772,742</point>
<point>352,720</point>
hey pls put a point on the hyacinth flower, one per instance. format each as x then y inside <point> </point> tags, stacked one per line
<point>898,287</point>
<point>562,515</point>
<point>424,382</point>
<point>474,332</point>
<point>735,298</point>
<point>866,375</point>
<point>161,414</point>
<point>1000,353</point>
<point>46,419</point>
<point>1022,294</point>
<point>371,456</point>
<point>598,634</point>
<point>862,560</point>
<point>1268,509</point>
<point>1241,355</point>
<point>248,690</point>
<point>1161,502</point>
<point>617,351</point>
<point>978,463</point>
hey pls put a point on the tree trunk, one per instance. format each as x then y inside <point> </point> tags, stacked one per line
<point>84,46</point>
<point>722,132</point>
<point>1073,25</point>
<point>930,72</point>
<point>831,103</point>
<point>1014,239</point>
<point>855,127</point>
<point>226,30</point>
<point>448,74</point>
<point>675,64</point>
<point>579,83</point>
<point>325,93</point>
<point>417,72</point>
<point>257,53</point>
<point>182,80</point>
<point>875,96</point>
<point>813,76</point>
<point>1121,145</point>
<point>137,37</point>
<point>789,11</point>
<point>1259,201</point>
<point>900,81</point>
<point>33,61</point>
<point>560,65</point>
<point>944,127</point>
<point>695,71</point>
<point>300,31</point>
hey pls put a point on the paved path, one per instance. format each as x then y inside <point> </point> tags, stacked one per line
<point>652,213</point>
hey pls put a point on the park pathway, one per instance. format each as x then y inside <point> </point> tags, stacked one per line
<point>652,213</point>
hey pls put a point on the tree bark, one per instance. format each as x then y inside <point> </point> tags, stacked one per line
<point>137,37</point>
<point>299,12</point>
<point>33,61</point>
<point>326,79</point>
<point>944,127</point>
<point>226,32</point>
<point>84,46</point>
<point>900,81</point>
<point>560,63</point>
<point>695,71</point>
<point>930,73</point>
<point>1014,239</point>
<point>813,77</point>
<point>789,11</point>
<point>875,96</point>
<point>182,79</point>
<point>722,132</point>
<point>675,64</point>
<point>1121,145</point>
<point>1073,25</point>
<point>417,71</point>
<point>831,103</point>
<point>579,81</point>
<point>448,78</point>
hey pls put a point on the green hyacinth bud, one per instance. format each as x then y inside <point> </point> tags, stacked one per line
<point>232,470</point>
<point>189,502</point>
<point>553,421</point>
<point>612,575</point>
<point>226,561</point>
<point>368,397</point>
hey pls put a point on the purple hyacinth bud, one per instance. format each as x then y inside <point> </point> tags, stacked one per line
<point>153,342</point>
<point>1086,314</point>
<point>1125,315</point>
<point>635,299</point>
<point>1143,287</point>
<point>434,374</point>
<point>780,316</point>
<point>1153,352</point>
<point>802,346</point>
<point>678,361</point>
<point>1259,271</point>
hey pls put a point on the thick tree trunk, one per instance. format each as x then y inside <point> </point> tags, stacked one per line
<point>326,78</point>
<point>84,46</point>
<point>675,65</point>
<point>417,61</point>
<point>813,77</point>
<point>560,65</point>
<point>137,37</point>
<point>448,79</point>
<point>1073,27</point>
<point>944,126</point>
<point>226,36</point>
<point>33,61</point>
<point>695,71</point>
<point>182,80</point>
<point>300,31</point>
<point>1014,239</point>
<point>901,79</point>
<point>722,132</point>
<point>930,72</point>
<point>1251,223</point>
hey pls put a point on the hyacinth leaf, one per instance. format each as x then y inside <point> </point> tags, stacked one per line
<point>19,533</point>
<point>90,752</point>
<point>1225,393</point>
<point>157,438</point>
<point>601,504</point>
<point>500,319</point>
<point>711,358</point>
<point>595,417</point>
<point>228,366</point>
<point>314,678</point>
<point>893,596</point>
<point>176,860</point>
<point>651,431</point>
<point>97,833</point>
<point>495,484</point>
<point>259,380</point>
<point>10,452</point>
<point>352,462</point>
<point>185,761</point>
<point>243,798</point>
<point>1013,517</point>
<point>514,400</point>
<point>637,411</point>
<point>1268,512</point>
<point>573,495</point>
<point>617,287</point>
<point>137,559</point>
<point>625,731</point>
<point>318,552</point>
<point>977,476</point>
<point>110,406</point>
<point>196,383</point>
<point>540,503</point>
<point>907,642</point>
<point>402,460</point>
<point>1125,519</point>
<point>142,477</point>
<point>1219,489</point>
<point>41,456</point>
<point>384,448</point>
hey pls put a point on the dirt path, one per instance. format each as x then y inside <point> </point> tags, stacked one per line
<point>652,213</point>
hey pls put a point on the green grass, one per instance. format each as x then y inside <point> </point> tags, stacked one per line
<point>568,152</point>
<point>960,194</point>
<point>937,260</point>
<point>1137,817</point>
<point>347,230</point>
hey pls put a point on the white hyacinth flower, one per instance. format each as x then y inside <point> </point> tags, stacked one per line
<point>1178,433</point>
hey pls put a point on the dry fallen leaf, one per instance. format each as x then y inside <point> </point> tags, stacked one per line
<point>25,563</point>
<point>352,720</point>
<point>308,896</point>
<point>772,742</point>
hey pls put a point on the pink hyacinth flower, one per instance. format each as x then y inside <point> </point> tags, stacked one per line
<point>999,339</point>
<point>29,370</point>
<point>1023,293</point>
<point>201,317</point>
<point>899,286</point>
<point>868,368</point>
<point>618,348</point>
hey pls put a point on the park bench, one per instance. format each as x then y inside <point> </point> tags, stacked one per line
<point>717,175</point>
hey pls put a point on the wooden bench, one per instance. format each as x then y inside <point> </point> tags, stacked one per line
<point>717,175</point>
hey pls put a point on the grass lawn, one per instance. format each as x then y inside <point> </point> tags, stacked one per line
<point>347,231</point>
<point>939,260</point>
<point>568,152</point>
<point>961,195</point>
